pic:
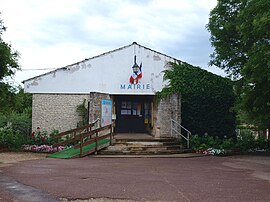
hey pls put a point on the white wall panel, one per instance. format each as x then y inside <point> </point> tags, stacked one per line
<point>107,73</point>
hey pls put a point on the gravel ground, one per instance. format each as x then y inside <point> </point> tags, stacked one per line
<point>9,158</point>
<point>98,200</point>
<point>236,178</point>
<point>5,196</point>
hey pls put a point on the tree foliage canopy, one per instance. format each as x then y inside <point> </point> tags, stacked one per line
<point>206,99</point>
<point>8,57</point>
<point>240,34</point>
<point>12,99</point>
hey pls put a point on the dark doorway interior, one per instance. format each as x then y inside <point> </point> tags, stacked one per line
<point>133,113</point>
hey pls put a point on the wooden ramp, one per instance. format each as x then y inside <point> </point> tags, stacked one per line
<point>82,141</point>
<point>75,153</point>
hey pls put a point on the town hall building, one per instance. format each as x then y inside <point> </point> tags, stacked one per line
<point>117,87</point>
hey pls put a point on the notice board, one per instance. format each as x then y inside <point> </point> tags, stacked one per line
<point>106,112</point>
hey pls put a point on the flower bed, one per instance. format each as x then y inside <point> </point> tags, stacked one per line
<point>212,151</point>
<point>42,148</point>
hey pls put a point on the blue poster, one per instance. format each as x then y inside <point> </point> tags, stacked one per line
<point>106,112</point>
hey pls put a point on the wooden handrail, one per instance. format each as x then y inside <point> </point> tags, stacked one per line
<point>92,132</point>
<point>74,130</point>
<point>83,135</point>
<point>65,142</point>
<point>92,140</point>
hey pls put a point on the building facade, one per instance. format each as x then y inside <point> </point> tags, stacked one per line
<point>128,78</point>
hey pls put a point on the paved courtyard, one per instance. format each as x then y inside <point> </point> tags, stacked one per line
<point>238,178</point>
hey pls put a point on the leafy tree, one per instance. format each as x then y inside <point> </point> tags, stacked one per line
<point>12,99</point>
<point>15,105</point>
<point>23,102</point>
<point>8,57</point>
<point>240,34</point>
<point>7,101</point>
<point>206,100</point>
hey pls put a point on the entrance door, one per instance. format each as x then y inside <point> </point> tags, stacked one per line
<point>130,113</point>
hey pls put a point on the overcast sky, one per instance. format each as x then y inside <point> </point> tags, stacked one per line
<point>56,33</point>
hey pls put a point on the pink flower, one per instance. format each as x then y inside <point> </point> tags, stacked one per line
<point>43,138</point>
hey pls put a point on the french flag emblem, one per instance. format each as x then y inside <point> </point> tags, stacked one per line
<point>137,72</point>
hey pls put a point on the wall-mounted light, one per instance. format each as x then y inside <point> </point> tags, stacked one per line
<point>135,67</point>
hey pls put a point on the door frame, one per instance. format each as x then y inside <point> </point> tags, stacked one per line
<point>123,122</point>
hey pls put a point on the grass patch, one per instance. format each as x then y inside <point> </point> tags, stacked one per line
<point>71,152</point>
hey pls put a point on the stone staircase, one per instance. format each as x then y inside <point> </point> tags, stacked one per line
<point>145,147</point>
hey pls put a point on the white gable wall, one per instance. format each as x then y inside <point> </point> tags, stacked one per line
<point>107,73</point>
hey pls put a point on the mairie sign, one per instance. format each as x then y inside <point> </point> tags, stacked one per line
<point>138,86</point>
<point>134,83</point>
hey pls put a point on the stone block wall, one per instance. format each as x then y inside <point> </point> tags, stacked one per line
<point>164,110</point>
<point>95,105</point>
<point>95,108</point>
<point>56,111</point>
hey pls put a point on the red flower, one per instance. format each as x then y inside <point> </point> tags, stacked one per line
<point>43,138</point>
<point>38,128</point>
<point>33,133</point>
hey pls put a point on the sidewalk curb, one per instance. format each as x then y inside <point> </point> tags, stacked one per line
<point>185,155</point>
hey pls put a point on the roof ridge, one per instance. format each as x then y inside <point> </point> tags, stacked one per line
<point>102,54</point>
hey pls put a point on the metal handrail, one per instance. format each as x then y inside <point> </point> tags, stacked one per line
<point>179,134</point>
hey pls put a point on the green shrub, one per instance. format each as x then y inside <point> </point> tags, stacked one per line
<point>261,143</point>
<point>246,141</point>
<point>195,141</point>
<point>227,144</point>
<point>204,142</point>
<point>83,114</point>
<point>11,138</point>
<point>202,147</point>
<point>21,122</point>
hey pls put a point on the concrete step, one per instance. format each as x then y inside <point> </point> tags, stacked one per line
<point>144,147</point>
<point>146,144</point>
<point>145,140</point>
<point>155,152</point>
